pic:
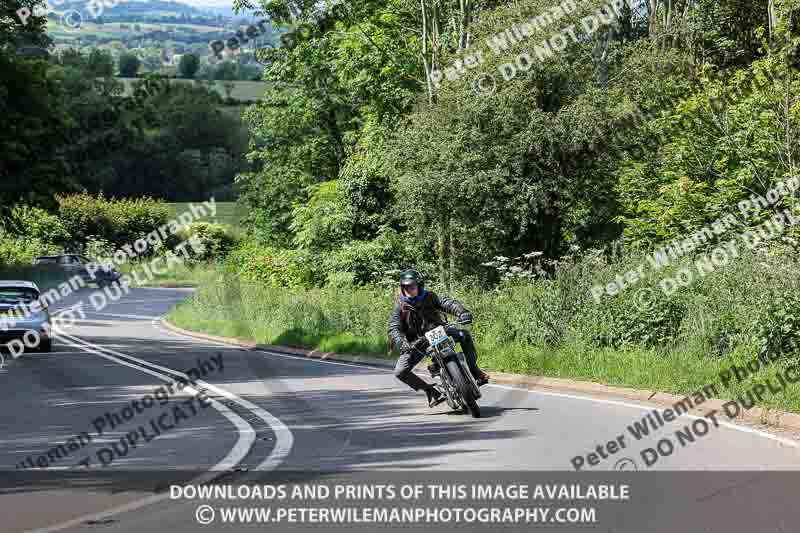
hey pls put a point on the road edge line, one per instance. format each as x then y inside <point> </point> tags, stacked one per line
<point>595,391</point>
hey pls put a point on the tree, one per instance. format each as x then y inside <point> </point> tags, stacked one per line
<point>335,75</point>
<point>100,64</point>
<point>227,70</point>
<point>188,65</point>
<point>20,25</point>
<point>33,122</point>
<point>228,86</point>
<point>128,65</point>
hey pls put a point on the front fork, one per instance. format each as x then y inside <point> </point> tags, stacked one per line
<point>444,385</point>
<point>465,370</point>
<point>462,362</point>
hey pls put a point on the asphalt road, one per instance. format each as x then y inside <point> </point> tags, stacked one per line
<point>268,413</point>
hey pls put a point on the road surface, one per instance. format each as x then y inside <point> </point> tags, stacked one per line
<point>266,413</point>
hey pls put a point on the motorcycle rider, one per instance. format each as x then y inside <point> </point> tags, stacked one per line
<point>416,312</point>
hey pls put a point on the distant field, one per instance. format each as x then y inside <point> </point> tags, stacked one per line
<point>243,90</point>
<point>227,212</point>
<point>89,26</point>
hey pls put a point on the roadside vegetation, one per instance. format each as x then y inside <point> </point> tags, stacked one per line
<point>524,199</point>
<point>548,326</point>
<point>97,227</point>
<point>520,200</point>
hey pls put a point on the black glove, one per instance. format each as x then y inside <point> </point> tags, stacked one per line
<point>405,346</point>
<point>465,317</point>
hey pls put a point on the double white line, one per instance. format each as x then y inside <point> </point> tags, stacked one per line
<point>284,440</point>
<point>283,435</point>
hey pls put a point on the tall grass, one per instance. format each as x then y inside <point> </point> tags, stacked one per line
<point>641,338</point>
<point>228,213</point>
<point>185,274</point>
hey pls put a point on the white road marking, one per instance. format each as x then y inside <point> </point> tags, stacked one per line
<point>283,435</point>
<point>743,429</point>
<point>247,434</point>
<point>115,315</point>
<point>283,445</point>
<point>235,455</point>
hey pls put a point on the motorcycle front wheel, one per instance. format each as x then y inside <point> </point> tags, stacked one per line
<point>464,388</point>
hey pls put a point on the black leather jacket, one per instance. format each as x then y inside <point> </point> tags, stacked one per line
<point>409,322</point>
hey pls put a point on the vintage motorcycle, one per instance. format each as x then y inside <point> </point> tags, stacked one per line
<point>453,376</point>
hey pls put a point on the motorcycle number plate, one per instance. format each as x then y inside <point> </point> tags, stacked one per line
<point>436,336</point>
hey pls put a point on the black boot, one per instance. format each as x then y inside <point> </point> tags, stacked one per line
<point>482,378</point>
<point>434,396</point>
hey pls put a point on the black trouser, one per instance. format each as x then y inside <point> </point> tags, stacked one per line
<point>408,360</point>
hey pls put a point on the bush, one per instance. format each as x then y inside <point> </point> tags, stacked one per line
<point>35,223</point>
<point>98,249</point>
<point>29,232</point>
<point>778,329</point>
<point>275,267</point>
<point>362,261</point>
<point>216,239</point>
<point>119,222</point>
<point>15,250</point>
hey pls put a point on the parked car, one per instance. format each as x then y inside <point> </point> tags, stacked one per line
<point>74,264</point>
<point>12,294</point>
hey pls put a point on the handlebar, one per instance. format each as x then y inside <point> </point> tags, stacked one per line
<point>422,339</point>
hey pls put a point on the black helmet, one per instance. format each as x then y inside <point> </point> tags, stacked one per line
<point>412,277</point>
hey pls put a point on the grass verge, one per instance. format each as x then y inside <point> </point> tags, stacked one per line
<point>510,331</point>
<point>183,275</point>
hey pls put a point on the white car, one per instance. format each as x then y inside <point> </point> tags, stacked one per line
<point>23,317</point>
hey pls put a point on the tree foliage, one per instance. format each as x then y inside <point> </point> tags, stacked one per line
<point>129,65</point>
<point>382,143</point>
<point>189,65</point>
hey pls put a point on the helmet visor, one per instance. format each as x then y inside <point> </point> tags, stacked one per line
<point>409,285</point>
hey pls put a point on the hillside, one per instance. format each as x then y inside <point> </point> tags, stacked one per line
<point>158,33</point>
<point>244,91</point>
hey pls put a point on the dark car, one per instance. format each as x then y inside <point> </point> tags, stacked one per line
<point>75,264</point>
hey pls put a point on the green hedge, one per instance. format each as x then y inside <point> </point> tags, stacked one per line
<point>217,240</point>
<point>274,267</point>
<point>28,232</point>
<point>119,222</point>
